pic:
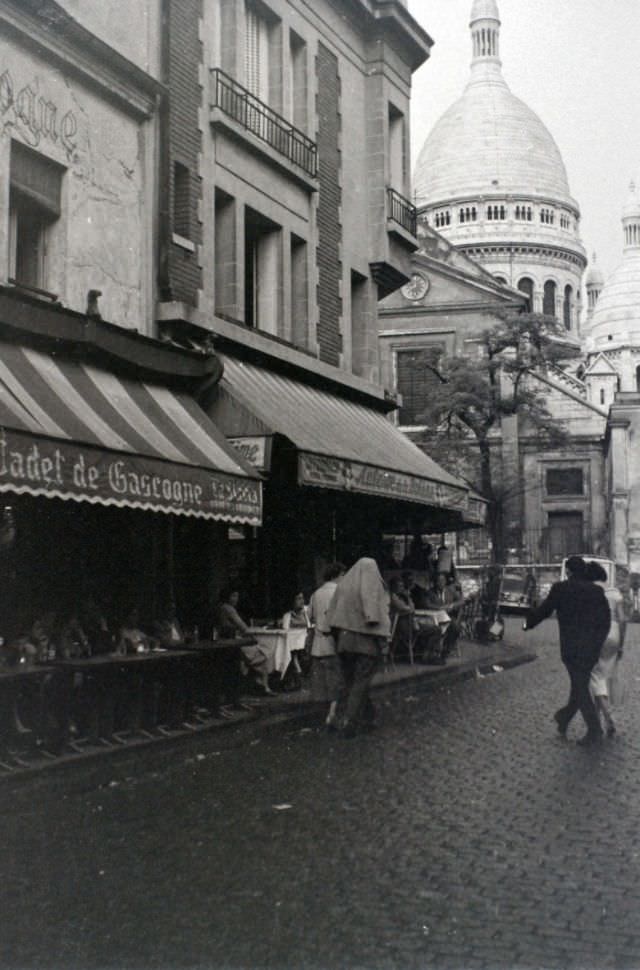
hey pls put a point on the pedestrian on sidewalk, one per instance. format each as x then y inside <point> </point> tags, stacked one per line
<point>359,612</point>
<point>583,618</point>
<point>326,672</point>
<point>611,650</point>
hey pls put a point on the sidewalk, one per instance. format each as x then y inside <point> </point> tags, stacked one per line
<point>474,659</point>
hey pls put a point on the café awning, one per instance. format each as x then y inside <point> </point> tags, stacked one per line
<point>72,430</point>
<point>341,444</point>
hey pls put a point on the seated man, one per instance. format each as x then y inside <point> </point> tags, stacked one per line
<point>427,642</point>
<point>447,596</point>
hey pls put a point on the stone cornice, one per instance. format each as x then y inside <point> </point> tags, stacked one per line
<point>481,250</point>
<point>54,35</point>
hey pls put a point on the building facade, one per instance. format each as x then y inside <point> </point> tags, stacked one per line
<point>287,219</point>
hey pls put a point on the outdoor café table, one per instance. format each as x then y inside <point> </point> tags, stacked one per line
<point>119,690</point>
<point>34,681</point>
<point>279,645</point>
<point>440,617</point>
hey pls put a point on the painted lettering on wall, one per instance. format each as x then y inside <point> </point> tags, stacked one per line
<point>35,116</point>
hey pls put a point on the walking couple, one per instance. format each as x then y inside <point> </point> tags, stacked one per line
<point>591,637</point>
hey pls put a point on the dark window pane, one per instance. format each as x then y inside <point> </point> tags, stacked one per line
<point>416,382</point>
<point>564,481</point>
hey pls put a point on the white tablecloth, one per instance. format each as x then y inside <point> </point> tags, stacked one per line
<point>279,645</point>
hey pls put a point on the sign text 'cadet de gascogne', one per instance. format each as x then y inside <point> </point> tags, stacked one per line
<point>70,470</point>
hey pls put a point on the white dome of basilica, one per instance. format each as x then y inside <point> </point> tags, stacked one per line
<point>489,141</point>
<point>491,179</point>
<point>616,317</point>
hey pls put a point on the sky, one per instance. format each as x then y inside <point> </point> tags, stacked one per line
<point>576,63</point>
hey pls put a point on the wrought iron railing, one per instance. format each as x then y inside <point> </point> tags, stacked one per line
<point>263,122</point>
<point>402,211</point>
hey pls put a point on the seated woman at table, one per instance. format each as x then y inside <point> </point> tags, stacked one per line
<point>230,626</point>
<point>73,642</point>
<point>168,630</point>
<point>131,637</point>
<point>297,618</point>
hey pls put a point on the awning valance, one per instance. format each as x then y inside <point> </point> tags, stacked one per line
<point>72,430</point>
<point>341,444</point>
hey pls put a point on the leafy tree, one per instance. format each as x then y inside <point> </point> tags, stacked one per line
<point>474,395</point>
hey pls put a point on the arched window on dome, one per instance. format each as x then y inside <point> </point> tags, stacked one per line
<point>549,299</point>
<point>637,379</point>
<point>448,218</point>
<point>567,307</point>
<point>529,214</point>
<point>525,285</point>
<point>602,395</point>
<point>503,212</point>
<point>489,213</point>
<point>461,215</point>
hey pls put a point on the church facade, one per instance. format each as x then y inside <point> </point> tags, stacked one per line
<point>499,230</point>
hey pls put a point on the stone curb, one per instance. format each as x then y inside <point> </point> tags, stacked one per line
<point>264,718</point>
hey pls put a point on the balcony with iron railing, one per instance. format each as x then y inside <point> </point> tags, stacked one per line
<point>229,100</point>
<point>402,212</point>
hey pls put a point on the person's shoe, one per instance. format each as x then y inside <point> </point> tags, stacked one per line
<point>611,729</point>
<point>589,739</point>
<point>562,726</point>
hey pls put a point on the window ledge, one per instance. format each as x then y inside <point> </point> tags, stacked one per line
<point>183,242</point>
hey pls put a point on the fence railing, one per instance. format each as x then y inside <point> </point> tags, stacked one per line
<point>263,122</point>
<point>402,211</point>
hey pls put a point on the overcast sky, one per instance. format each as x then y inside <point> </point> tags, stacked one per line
<point>576,63</point>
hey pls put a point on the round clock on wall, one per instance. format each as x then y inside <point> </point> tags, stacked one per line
<point>416,288</point>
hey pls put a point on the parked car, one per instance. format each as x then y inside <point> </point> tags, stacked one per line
<point>518,591</point>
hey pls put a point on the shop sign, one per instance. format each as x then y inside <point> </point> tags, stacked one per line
<point>352,476</point>
<point>71,471</point>
<point>255,449</point>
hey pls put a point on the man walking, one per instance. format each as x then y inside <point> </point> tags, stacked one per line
<point>583,618</point>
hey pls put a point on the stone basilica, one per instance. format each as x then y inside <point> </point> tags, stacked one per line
<point>499,229</point>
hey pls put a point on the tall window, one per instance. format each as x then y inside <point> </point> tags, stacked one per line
<point>397,160</point>
<point>416,381</point>
<point>298,80</point>
<point>525,285</point>
<point>567,307</point>
<point>262,272</point>
<point>549,299</point>
<point>299,292</point>
<point>34,206</point>
<point>260,63</point>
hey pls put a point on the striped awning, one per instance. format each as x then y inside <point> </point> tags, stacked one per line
<point>72,430</point>
<point>341,444</point>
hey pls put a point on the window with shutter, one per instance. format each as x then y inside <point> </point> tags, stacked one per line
<point>35,189</point>
<point>416,382</point>
<point>257,54</point>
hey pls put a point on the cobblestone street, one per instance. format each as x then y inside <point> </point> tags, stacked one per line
<point>463,833</point>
